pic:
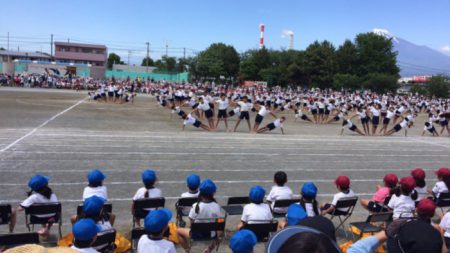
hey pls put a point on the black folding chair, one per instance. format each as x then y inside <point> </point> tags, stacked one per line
<point>235,205</point>
<point>443,201</point>
<point>105,241</point>
<point>282,204</point>
<point>107,208</point>
<point>182,205</point>
<point>43,209</point>
<point>347,203</point>
<point>262,229</point>
<point>12,240</point>
<point>5,214</point>
<point>142,204</point>
<point>369,227</point>
<point>206,227</point>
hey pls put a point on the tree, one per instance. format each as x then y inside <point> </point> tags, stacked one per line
<point>375,55</point>
<point>166,64</point>
<point>2,49</point>
<point>347,58</point>
<point>439,86</point>
<point>381,82</point>
<point>321,64</point>
<point>147,61</point>
<point>218,60</point>
<point>346,81</point>
<point>113,59</point>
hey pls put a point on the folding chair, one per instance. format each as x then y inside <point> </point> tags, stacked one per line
<point>443,201</point>
<point>349,203</point>
<point>262,229</point>
<point>205,227</point>
<point>43,209</point>
<point>105,241</point>
<point>107,208</point>
<point>5,214</point>
<point>144,204</point>
<point>368,227</point>
<point>12,240</point>
<point>282,203</point>
<point>235,205</point>
<point>182,205</point>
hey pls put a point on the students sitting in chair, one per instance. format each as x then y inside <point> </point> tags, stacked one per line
<point>149,190</point>
<point>257,211</point>
<point>243,241</point>
<point>155,224</point>
<point>93,209</point>
<point>84,233</point>
<point>95,186</point>
<point>343,185</point>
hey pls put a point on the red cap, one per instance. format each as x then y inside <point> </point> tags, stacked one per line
<point>342,181</point>
<point>408,183</point>
<point>418,174</point>
<point>426,207</point>
<point>442,172</point>
<point>390,179</point>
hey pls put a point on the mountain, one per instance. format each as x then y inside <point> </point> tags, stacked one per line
<point>415,60</point>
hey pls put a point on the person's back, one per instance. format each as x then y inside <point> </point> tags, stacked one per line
<point>279,190</point>
<point>147,245</point>
<point>254,213</point>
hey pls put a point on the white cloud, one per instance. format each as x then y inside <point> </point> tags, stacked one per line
<point>445,49</point>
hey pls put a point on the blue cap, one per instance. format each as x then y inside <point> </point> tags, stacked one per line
<point>37,182</point>
<point>95,176</point>
<point>85,230</point>
<point>157,220</point>
<point>193,181</point>
<point>148,176</point>
<point>309,190</point>
<point>93,205</point>
<point>295,214</point>
<point>257,194</point>
<point>207,187</point>
<point>243,241</point>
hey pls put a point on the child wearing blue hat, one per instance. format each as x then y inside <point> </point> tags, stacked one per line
<point>243,241</point>
<point>192,182</point>
<point>206,209</point>
<point>308,200</point>
<point>257,211</point>
<point>84,233</point>
<point>155,224</point>
<point>40,193</point>
<point>149,190</point>
<point>93,209</point>
<point>95,179</point>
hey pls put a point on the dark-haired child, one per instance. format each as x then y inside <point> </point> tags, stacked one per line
<point>308,200</point>
<point>279,190</point>
<point>401,202</point>
<point>421,187</point>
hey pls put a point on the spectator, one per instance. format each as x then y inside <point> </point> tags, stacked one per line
<point>401,202</point>
<point>343,185</point>
<point>376,204</point>
<point>279,190</point>
<point>308,200</point>
<point>149,190</point>
<point>243,241</point>
<point>155,224</point>
<point>84,233</point>
<point>95,187</point>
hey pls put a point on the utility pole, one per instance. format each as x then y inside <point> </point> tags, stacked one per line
<point>129,53</point>
<point>167,48</point>
<point>184,53</point>
<point>148,57</point>
<point>8,47</point>
<point>51,47</point>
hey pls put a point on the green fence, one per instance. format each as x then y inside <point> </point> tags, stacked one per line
<point>83,72</point>
<point>180,77</point>
<point>1,67</point>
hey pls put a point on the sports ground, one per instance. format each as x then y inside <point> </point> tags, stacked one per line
<point>63,135</point>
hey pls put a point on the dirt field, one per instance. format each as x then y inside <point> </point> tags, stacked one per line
<point>63,135</point>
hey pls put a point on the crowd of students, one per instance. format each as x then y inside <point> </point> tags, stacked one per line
<point>305,227</point>
<point>378,114</point>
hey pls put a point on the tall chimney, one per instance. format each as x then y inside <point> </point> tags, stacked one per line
<point>261,39</point>
<point>291,41</point>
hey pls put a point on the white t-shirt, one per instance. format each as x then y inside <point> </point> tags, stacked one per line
<point>145,245</point>
<point>279,192</point>
<point>390,114</point>
<point>445,224</point>
<point>189,120</point>
<point>402,205</point>
<point>37,198</point>
<point>209,210</point>
<point>278,123</point>
<point>152,193</point>
<point>422,193</point>
<point>223,104</point>
<point>257,213</point>
<point>100,191</point>
<point>263,111</point>
<point>439,188</point>
<point>244,106</point>
<point>85,250</point>
<point>341,195</point>
<point>190,194</point>
<point>309,210</point>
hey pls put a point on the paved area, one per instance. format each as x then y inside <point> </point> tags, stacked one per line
<point>63,135</point>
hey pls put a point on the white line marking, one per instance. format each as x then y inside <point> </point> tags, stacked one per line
<point>40,126</point>
<point>430,143</point>
<point>225,154</point>
<point>216,181</point>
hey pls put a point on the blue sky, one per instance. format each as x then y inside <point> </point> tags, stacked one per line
<point>195,24</point>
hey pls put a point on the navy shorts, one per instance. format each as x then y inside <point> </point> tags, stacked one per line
<point>258,119</point>
<point>244,115</point>
<point>375,120</point>
<point>222,114</point>
<point>197,123</point>
<point>271,126</point>
<point>209,113</point>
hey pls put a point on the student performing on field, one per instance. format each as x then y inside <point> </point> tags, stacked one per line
<point>278,123</point>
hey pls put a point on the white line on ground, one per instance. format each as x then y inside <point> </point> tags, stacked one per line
<point>41,125</point>
<point>220,153</point>
<point>430,143</point>
<point>199,159</point>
